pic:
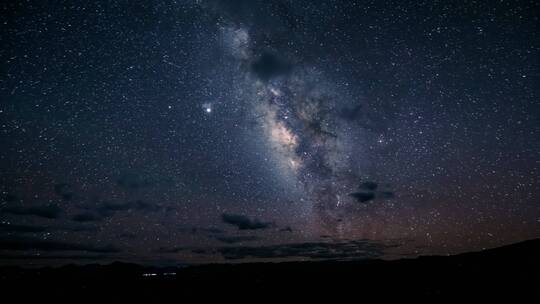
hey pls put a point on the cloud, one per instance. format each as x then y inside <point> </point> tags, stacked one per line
<point>173,249</point>
<point>237,239</point>
<point>54,257</point>
<point>108,209</point>
<point>371,186</point>
<point>243,222</point>
<point>357,249</point>
<point>64,191</point>
<point>368,192</point>
<point>286,229</point>
<point>210,230</point>
<point>77,228</point>
<point>4,227</point>
<point>47,211</point>
<point>87,217</point>
<point>29,243</point>
<point>22,228</point>
<point>363,197</point>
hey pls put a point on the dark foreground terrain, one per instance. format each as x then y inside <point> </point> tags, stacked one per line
<point>512,270</point>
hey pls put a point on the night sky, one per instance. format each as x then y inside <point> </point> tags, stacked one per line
<point>181,132</point>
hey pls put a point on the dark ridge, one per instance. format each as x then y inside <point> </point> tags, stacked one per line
<point>508,270</point>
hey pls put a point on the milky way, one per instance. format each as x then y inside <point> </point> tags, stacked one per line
<point>309,127</point>
<point>246,130</point>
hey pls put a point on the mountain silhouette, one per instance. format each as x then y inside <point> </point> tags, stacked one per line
<point>511,270</point>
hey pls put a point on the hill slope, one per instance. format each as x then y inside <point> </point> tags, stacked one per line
<point>509,270</point>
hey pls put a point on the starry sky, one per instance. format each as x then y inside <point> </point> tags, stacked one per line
<point>186,132</point>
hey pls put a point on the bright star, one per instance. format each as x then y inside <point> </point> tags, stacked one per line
<point>207,107</point>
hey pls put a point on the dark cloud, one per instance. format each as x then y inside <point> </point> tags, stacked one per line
<point>77,228</point>
<point>174,250</point>
<point>371,186</point>
<point>243,222</point>
<point>64,191</point>
<point>144,206</point>
<point>87,217</point>
<point>210,230</point>
<point>29,243</point>
<point>358,249</point>
<point>108,209</point>
<point>54,257</point>
<point>368,192</point>
<point>269,65</point>
<point>4,227</point>
<point>21,228</point>
<point>47,211</point>
<point>363,197</point>
<point>286,229</point>
<point>237,239</point>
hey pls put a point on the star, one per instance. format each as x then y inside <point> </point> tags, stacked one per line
<point>147,129</point>
<point>207,108</point>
